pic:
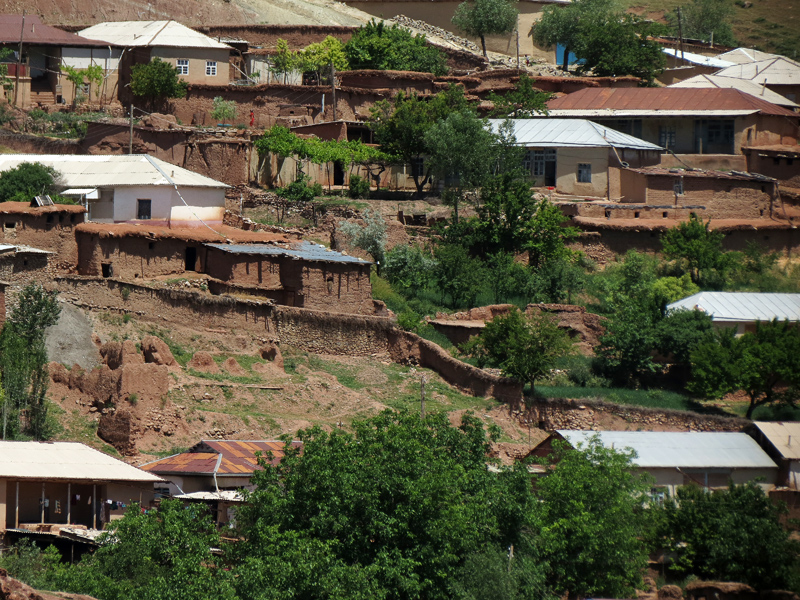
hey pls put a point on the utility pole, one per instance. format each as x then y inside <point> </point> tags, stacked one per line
<point>130,139</point>
<point>19,61</point>
<point>680,31</point>
<point>517,48</point>
<point>333,86</point>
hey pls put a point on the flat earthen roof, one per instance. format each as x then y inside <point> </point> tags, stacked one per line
<point>16,208</point>
<point>199,234</point>
<point>702,173</point>
<point>665,224</point>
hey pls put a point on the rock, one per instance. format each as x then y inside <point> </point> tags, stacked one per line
<point>233,367</point>
<point>203,361</point>
<point>58,373</point>
<point>720,590</point>
<point>272,353</point>
<point>156,351</point>
<point>147,381</point>
<point>670,592</point>
<point>115,354</point>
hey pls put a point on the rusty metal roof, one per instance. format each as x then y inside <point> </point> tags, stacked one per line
<point>238,458</point>
<point>666,99</point>
<point>40,34</point>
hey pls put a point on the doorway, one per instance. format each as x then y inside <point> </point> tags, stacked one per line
<point>191,258</point>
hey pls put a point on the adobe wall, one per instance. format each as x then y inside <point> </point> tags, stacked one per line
<point>25,143</point>
<point>328,287</point>
<point>786,170</point>
<point>33,230</point>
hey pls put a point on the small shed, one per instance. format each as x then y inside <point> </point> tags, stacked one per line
<point>781,440</point>
<point>46,486</point>
<point>742,310</point>
<point>709,459</point>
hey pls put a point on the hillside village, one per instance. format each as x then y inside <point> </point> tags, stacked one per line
<point>399,300</point>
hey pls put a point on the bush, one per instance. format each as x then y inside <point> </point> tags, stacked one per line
<point>300,190</point>
<point>359,187</point>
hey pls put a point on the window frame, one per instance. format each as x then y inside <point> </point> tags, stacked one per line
<point>584,173</point>
<point>211,68</point>
<point>182,65</point>
<point>140,204</point>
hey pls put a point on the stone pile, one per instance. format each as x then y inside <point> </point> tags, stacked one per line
<point>427,28</point>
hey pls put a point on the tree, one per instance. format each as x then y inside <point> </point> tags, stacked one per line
<point>609,41</point>
<point>479,18</point>
<point>389,511</point>
<point>370,237</point>
<point>409,268</point>
<point>156,82</point>
<point>376,46</point>
<point>320,57</point>
<point>732,534</point>
<point>697,250</point>
<point>27,180</point>
<point>400,126</point>
<point>458,275</point>
<point>764,363</point>
<point>680,332</point>
<point>460,149</point>
<point>626,348</point>
<point>591,520</point>
<point>523,102</point>
<point>284,61</point>
<point>524,347</point>
<point>224,110</point>
<point>706,20</point>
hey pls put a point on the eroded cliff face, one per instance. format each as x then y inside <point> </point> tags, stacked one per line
<point>13,589</point>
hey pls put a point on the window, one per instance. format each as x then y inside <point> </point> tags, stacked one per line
<point>211,67</point>
<point>417,167</point>
<point>584,173</point>
<point>677,186</point>
<point>183,66</point>
<point>143,209</point>
<point>666,137</point>
<point>540,157</point>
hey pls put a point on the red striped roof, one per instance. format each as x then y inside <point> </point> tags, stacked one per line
<point>238,457</point>
<point>665,99</point>
<point>37,33</point>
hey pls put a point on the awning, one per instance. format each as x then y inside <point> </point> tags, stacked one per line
<point>89,193</point>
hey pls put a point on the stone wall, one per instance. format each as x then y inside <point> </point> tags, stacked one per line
<point>587,414</point>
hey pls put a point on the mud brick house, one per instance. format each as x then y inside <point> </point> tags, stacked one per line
<point>198,57</point>
<point>684,120</point>
<point>134,188</point>
<point>578,157</point>
<point>138,252</point>
<point>742,310</point>
<point>301,274</point>
<point>19,266</point>
<point>47,227</point>
<point>780,162</point>
<point>48,486</point>
<point>709,459</point>
<point>37,76</point>
<point>754,88</point>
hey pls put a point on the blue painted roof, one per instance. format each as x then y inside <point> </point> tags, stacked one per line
<point>301,250</point>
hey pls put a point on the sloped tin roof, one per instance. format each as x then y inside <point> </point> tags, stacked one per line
<point>238,458</point>
<point>753,88</point>
<point>697,59</point>
<point>303,250</point>
<point>570,133</point>
<point>666,449</point>
<point>37,33</point>
<point>91,171</point>
<point>774,71</point>
<point>745,55</point>
<point>666,99</point>
<point>785,437</point>
<point>165,34</point>
<point>742,306</point>
<point>64,460</point>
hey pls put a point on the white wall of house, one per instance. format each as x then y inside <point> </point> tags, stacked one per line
<point>206,204</point>
<point>82,58</point>
<point>126,202</point>
<point>672,478</point>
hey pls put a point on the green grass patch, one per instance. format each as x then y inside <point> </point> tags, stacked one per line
<point>439,397</point>
<point>246,361</point>
<point>648,398</point>
<point>224,377</point>
<point>345,374</point>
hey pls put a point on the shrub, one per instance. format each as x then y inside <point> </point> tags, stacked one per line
<point>359,187</point>
<point>300,190</point>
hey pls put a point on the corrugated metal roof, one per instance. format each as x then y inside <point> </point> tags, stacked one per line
<point>745,55</point>
<point>658,100</point>
<point>64,460</point>
<point>570,133</point>
<point>38,33</point>
<point>643,113</point>
<point>748,87</point>
<point>742,306</point>
<point>164,34</point>
<point>91,171</point>
<point>775,71</point>
<point>784,436</point>
<point>303,250</point>
<point>238,458</point>
<point>697,59</point>
<point>224,495</point>
<point>667,449</point>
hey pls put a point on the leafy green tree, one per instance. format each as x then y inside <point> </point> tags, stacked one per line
<point>667,290</point>
<point>523,102</point>
<point>376,46</point>
<point>591,522</point>
<point>697,250</point>
<point>609,41</point>
<point>370,237</point>
<point>479,18</point>
<point>409,268</point>
<point>320,57</point>
<point>524,347</point>
<point>458,275</point>
<point>764,363</point>
<point>515,573</point>
<point>508,277</point>
<point>705,20</point>
<point>389,511</point>
<point>730,534</point>
<point>284,61</point>
<point>26,180</point>
<point>626,348</point>
<point>156,82</point>
<point>680,332</point>
<point>557,279</point>
<point>460,150</point>
<point>400,126</point>
<point>223,110</point>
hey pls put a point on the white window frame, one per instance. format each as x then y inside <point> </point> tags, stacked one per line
<point>182,64</point>
<point>211,68</point>
<point>584,174</point>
